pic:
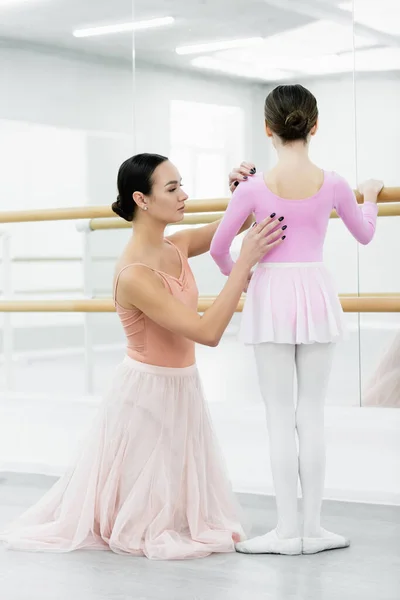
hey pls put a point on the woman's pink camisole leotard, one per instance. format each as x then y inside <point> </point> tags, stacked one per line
<point>147,341</point>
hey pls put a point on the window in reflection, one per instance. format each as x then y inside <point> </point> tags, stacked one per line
<point>206,140</point>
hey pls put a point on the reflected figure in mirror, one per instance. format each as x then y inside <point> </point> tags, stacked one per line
<point>384,387</point>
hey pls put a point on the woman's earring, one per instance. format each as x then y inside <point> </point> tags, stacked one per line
<point>144,207</point>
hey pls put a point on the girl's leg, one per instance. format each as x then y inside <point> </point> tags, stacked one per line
<point>275,365</point>
<point>313,364</point>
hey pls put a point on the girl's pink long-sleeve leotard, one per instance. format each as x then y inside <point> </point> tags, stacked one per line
<point>291,298</point>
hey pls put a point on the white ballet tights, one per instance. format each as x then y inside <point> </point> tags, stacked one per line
<point>276,366</point>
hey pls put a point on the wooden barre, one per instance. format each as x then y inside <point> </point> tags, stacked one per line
<point>351,304</point>
<point>385,210</point>
<point>190,219</point>
<point>388,194</point>
<point>101,294</point>
<point>57,259</point>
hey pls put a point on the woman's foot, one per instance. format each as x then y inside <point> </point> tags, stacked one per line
<point>270,543</point>
<point>325,541</point>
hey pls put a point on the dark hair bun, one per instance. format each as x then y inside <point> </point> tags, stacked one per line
<point>117,208</point>
<point>135,175</point>
<point>296,123</point>
<point>291,112</point>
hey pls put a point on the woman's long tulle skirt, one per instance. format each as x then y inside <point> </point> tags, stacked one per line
<point>149,481</point>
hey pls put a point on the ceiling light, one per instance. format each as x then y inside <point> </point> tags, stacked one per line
<point>264,74</point>
<point>123,27</point>
<point>379,59</point>
<point>370,60</point>
<point>215,46</point>
<point>296,50</point>
<point>11,2</point>
<point>381,16</point>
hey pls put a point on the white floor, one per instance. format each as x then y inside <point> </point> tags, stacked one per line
<point>42,423</point>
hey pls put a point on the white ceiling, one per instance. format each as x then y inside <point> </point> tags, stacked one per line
<point>51,22</point>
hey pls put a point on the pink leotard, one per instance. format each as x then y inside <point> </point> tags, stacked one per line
<point>147,341</point>
<point>306,220</point>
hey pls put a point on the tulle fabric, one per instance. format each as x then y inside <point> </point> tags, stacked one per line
<point>292,303</point>
<point>384,387</point>
<point>148,481</point>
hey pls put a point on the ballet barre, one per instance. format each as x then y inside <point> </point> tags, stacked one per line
<point>389,303</point>
<point>385,210</point>
<point>387,195</point>
<point>190,219</point>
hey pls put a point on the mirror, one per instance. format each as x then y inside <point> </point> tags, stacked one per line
<point>66,123</point>
<point>377,92</point>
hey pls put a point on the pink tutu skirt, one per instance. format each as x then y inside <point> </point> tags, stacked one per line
<point>292,303</point>
<point>149,480</point>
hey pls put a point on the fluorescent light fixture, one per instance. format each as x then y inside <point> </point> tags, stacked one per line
<point>264,74</point>
<point>379,59</point>
<point>372,60</point>
<point>123,27</point>
<point>308,42</point>
<point>221,45</point>
<point>382,16</point>
<point>321,47</point>
<point>12,2</point>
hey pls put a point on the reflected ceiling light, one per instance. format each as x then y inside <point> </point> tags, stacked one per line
<point>302,45</point>
<point>367,61</point>
<point>123,27</point>
<point>381,16</point>
<point>215,46</point>
<point>212,64</point>
<point>379,59</point>
<point>12,2</point>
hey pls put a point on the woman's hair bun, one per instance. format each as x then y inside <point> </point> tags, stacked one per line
<point>117,208</point>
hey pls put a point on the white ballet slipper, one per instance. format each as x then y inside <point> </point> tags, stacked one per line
<point>327,541</point>
<point>270,543</point>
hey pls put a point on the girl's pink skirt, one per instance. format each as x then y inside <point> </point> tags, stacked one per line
<point>292,303</point>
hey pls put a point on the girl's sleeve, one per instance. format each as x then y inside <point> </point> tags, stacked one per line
<point>239,208</point>
<point>360,220</point>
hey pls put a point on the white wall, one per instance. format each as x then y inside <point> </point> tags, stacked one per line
<point>156,87</point>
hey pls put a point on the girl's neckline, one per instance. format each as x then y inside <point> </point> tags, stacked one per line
<point>299,200</point>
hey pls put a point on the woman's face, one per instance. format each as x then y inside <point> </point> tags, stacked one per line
<point>167,200</point>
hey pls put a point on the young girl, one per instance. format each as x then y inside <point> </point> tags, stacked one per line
<point>149,479</point>
<point>292,313</point>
